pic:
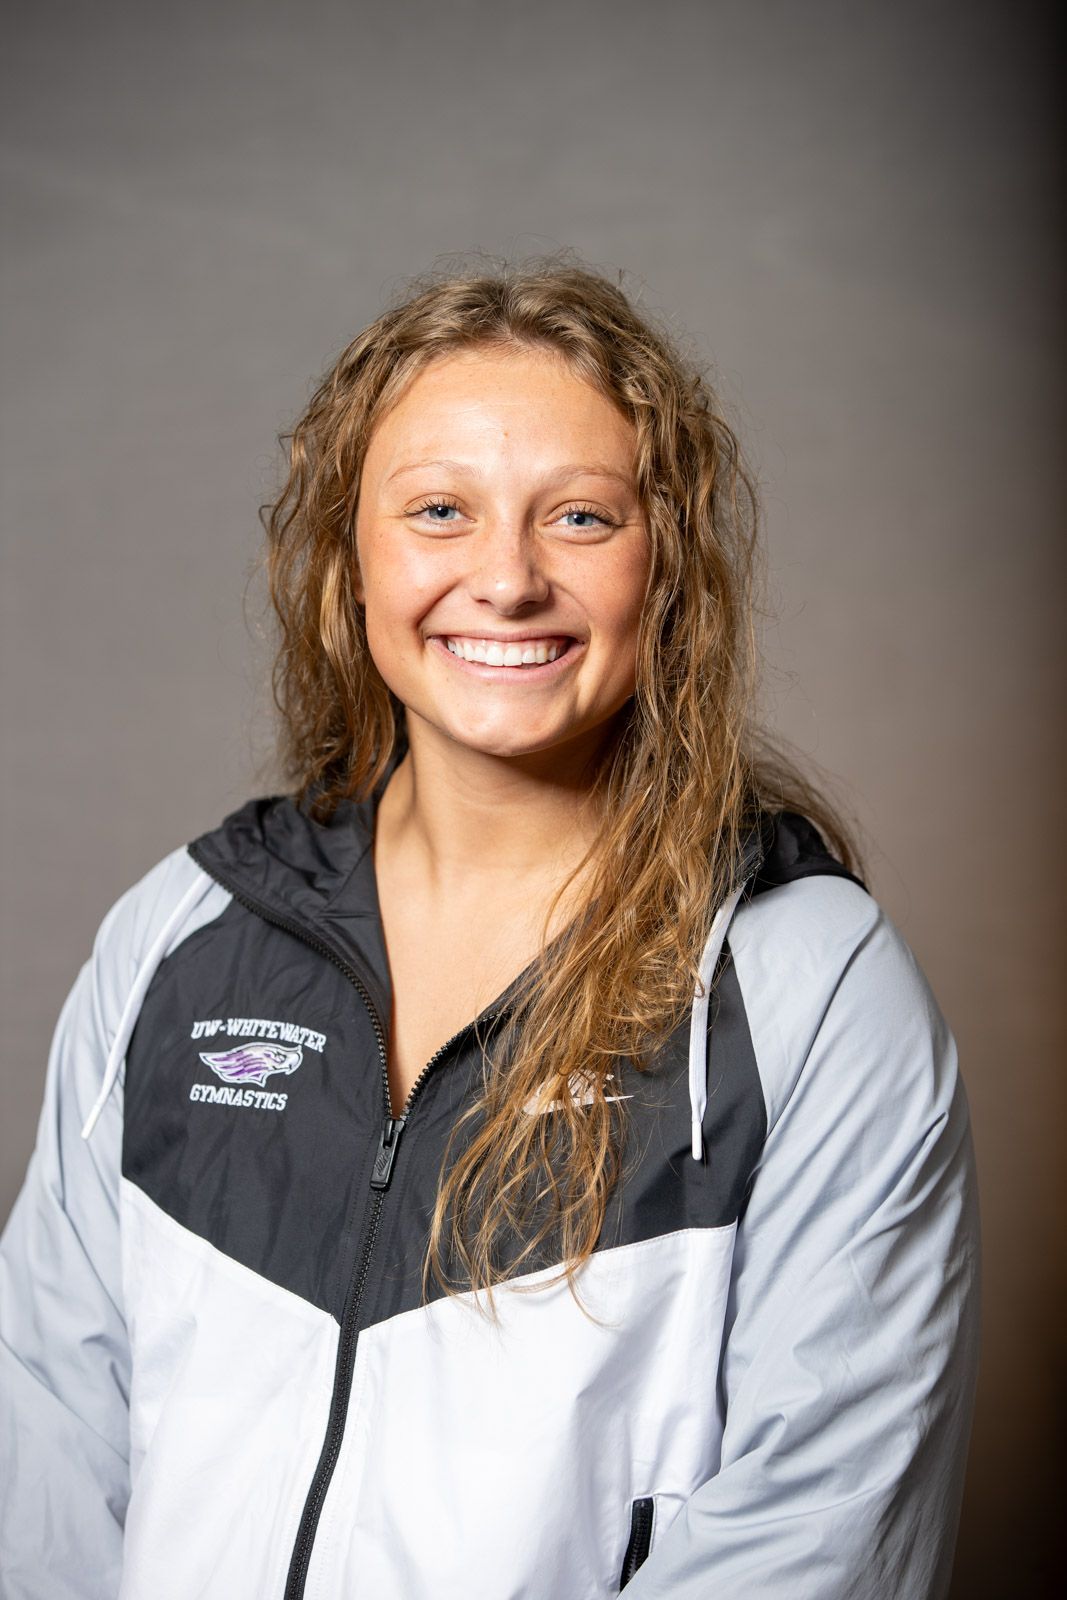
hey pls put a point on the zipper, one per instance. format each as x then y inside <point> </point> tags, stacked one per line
<point>642,1514</point>
<point>381,1176</point>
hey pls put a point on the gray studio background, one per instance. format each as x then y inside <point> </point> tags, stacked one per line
<point>852,211</point>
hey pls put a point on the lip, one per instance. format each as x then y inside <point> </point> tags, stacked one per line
<point>540,673</point>
<point>506,638</point>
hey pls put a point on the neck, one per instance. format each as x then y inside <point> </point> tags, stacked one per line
<point>473,817</point>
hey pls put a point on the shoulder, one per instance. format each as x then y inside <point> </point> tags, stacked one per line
<point>830,985</point>
<point>147,921</point>
<point>142,927</point>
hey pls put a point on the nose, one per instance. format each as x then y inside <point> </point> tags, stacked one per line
<point>508,572</point>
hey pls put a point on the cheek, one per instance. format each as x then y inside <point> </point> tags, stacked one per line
<point>620,597</point>
<point>397,583</point>
<point>398,589</point>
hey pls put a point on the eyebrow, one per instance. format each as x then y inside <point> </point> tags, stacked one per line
<point>573,469</point>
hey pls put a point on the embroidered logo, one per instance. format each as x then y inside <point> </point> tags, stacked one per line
<point>254,1062</point>
<point>260,1029</point>
<point>266,1048</point>
<point>582,1086</point>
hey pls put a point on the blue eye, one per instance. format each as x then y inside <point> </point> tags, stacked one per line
<point>592,519</point>
<point>436,506</point>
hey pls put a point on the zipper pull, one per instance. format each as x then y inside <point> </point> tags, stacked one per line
<point>392,1128</point>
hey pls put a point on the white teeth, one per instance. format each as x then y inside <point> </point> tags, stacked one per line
<point>495,654</point>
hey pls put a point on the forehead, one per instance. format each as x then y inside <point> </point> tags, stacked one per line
<point>489,404</point>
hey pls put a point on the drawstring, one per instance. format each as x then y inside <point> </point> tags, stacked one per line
<point>698,1030</point>
<point>145,973</point>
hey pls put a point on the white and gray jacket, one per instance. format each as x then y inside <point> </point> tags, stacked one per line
<point>219,1377</point>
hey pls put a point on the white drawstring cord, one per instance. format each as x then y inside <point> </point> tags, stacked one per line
<point>698,1027</point>
<point>145,973</point>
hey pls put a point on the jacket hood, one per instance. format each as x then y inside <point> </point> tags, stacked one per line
<point>276,852</point>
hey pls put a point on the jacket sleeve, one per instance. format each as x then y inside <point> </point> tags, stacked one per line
<point>64,1354</point>
<point>850,1348</point>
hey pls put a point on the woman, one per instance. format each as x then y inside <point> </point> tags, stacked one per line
<point>524,1160</point>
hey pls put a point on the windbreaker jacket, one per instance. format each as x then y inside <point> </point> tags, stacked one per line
<point>220,1377</point>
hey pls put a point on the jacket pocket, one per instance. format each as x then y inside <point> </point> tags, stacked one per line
<point>642,1515</point>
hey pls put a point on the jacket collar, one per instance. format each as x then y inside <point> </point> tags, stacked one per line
<point>272,855</point>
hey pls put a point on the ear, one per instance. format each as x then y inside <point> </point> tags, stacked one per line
<point>357,585</point>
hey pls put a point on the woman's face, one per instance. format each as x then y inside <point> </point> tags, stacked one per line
<point>503,554</point>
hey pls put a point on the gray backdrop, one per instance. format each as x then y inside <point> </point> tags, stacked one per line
<point>851,208</point>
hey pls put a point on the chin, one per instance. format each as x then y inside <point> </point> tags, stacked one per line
<point>504,742</point>
<point>505,746</point>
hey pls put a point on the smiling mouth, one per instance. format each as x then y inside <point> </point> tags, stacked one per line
<point>506,658</point>
<point>507,654</point>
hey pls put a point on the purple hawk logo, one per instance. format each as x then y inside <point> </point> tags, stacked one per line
<point>254,1062</point>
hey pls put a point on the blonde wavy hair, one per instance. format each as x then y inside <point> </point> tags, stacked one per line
<point>684,779</point>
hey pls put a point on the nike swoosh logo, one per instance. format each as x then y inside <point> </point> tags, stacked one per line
<point>583,1093</point>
